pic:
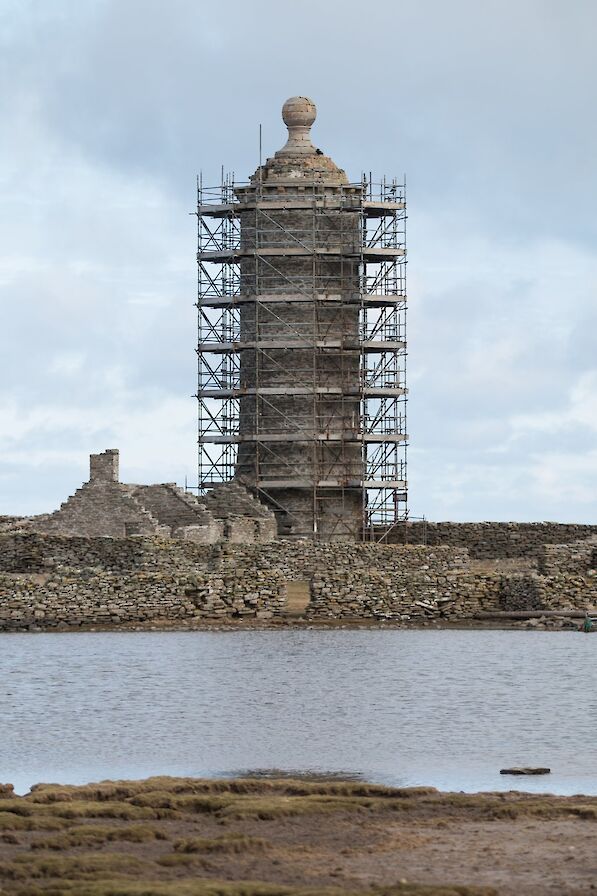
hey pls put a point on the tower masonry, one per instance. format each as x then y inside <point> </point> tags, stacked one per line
<point>301,340</point>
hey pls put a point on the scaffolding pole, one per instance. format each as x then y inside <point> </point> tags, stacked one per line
<point>350,383</point>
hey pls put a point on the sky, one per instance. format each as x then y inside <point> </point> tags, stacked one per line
<point>108,110</point>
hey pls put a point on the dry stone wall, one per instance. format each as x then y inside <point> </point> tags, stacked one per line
<point>37,553</point>
<point>487,541</point>
<point>565,578</point>
<point>559,592</point>
<point>54,581</point>
<point>559,559</point>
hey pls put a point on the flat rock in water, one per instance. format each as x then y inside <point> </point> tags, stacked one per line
<point>525,771</point>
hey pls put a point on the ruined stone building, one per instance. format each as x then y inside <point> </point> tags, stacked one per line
<point>302,301</point>
<point>106,507</point>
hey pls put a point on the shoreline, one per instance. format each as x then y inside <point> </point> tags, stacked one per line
<point>256,836</point>
<point>557,624</point>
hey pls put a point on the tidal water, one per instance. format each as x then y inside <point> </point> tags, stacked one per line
<point>446,708</point>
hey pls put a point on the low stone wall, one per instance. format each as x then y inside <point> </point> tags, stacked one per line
<point>37,553</point>
<point>70,600</point>
<point>50,581</point>
<point>565,578</point>
<point>556,592</point>
<point>362,581</point>
<point>487,541</point>
<point>558,559</point>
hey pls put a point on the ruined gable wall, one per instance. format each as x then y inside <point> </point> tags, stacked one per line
<point>99,508</point>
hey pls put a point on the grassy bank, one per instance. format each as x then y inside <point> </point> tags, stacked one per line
<point>252,837</point>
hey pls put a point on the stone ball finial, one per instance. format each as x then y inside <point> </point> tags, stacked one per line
<point>298,113</point>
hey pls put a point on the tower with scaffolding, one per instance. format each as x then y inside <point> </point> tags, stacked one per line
<point>302,340</point>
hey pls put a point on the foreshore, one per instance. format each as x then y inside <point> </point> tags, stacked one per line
<point>259,836</point>
<point>288,623</point>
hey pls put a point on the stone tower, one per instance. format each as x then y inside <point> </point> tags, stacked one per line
<point>299,420</point>
<point>285,316</point>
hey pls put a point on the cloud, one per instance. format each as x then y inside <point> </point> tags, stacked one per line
<point>110,108</point>
<point>580,412</point>
<point>156,440</point>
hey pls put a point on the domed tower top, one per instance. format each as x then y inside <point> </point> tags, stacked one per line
<point>299,159</point>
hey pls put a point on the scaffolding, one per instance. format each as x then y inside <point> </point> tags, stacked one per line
<point>341,312</point>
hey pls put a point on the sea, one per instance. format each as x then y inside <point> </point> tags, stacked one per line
<point>398,707</point>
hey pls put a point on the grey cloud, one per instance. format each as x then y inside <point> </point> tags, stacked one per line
<point>110,108</point>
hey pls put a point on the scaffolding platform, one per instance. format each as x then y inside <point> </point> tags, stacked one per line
<point>248,237</point>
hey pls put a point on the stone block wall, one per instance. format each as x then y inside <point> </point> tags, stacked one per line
<point>239,530</point>
<point>105,467</point>
<point>49,581</point>
<point>38,553</point>
<point>234,503</point>
<point>578,557</point>
<point>100,508</point>
<point>556,592</point>
<point>565,579</point>
<point>70,600</point>
<point>347,582</point>
<point>487,541</point>
<point>183,515</point>
<point>211,532</point>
